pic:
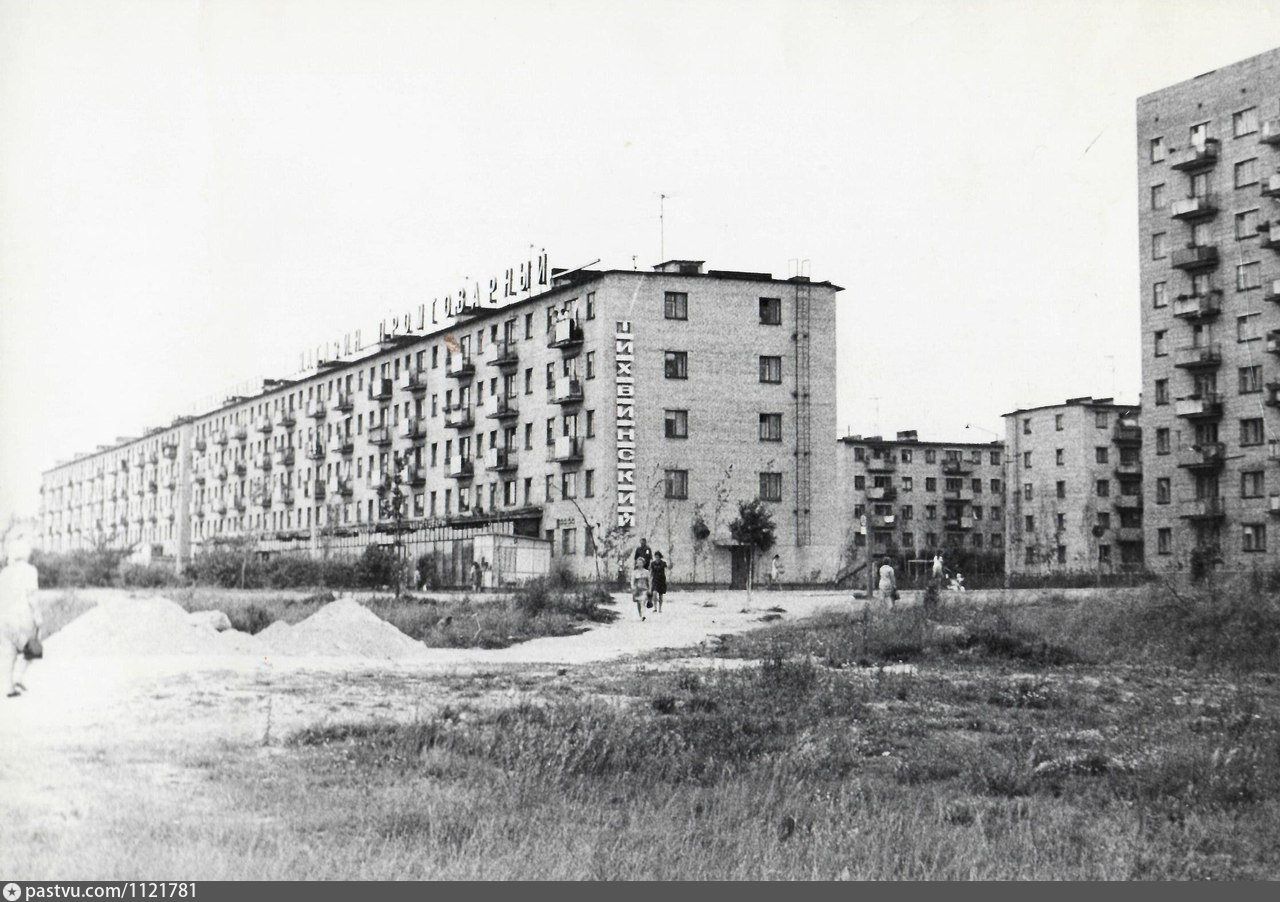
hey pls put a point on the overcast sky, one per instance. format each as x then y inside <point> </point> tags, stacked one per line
<point>191,193</point>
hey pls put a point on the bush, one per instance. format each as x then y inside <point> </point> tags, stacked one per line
<point>80,568</point>
<point>249,619</point>
<point>559,575</point>
<point>292,571</point>
<point>378,566</point>
<point>149,576</point>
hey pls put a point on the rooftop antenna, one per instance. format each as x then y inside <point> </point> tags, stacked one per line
<point>662,227</point>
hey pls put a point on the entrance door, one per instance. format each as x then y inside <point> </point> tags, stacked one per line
<point>740,562</point>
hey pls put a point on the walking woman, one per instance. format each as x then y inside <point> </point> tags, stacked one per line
<point>658,579</point>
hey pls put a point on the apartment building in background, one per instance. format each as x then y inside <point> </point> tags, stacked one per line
<point>1209,223</point>
<point>914,498</point>
<point>1075,474</point>
<point>605,406</point>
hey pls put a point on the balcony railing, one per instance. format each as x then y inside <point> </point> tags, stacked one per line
<point>341,443</point>
<point>220,474</point>
<point>1128,533</point>
<point>1199,256</point>
<point>240,433</point>
<point>342,485</point>
<point>502,354</point>
<point>380,435</point>
<point>286,419</point>
<point>219,508</point>
<point>1272,398</point>
<point>956,465</point>
<point>1127,502</point>
<point>1198,356</point>
<point>953,495</point>
<point>566,391</point>
<point>1270,233</point>
<point>460,468</point>
<point>459,366</point>
<point>1190,208</point>
<point>1196,157</point>
<point>284,494</point>
<point>1271,290</point>
<point>378,482</point>
<point>568,448</point>
<point>1208,404</point>
<point>414,474</point>
<point>381,390</point>
<point>1129,468</point>
<point>238,503</point>
<point>1127,434</point>
<point>881,464</point>
<point>566,333</point>
<point>284,458</point>
<point>344,401</point>
<point>316,409</point>
<point>199,475</point>
<point>169,450</point>
<point>319,489</point>
<point>200,443</point>
<point>1203,509</point>
<point>415,381</point>
<point>1269,133</point>
<point>458,417</point>
<point>957,522</point>
<point>500,459</point>
<point>264,425</point>
<point>1270,185</point>
<point>239,467</point>
<point>1198,306</point>
<point>263,462</point>
<point>415,429</point>
<point>264,500</point>
<point>501,407</point>
<point>1205,456</point>
<point>882,493</point>
<point>315,450</point>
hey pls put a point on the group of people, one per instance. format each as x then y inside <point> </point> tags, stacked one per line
<point>20,623</point>
<point>888,579</point>
<point>648,579</point>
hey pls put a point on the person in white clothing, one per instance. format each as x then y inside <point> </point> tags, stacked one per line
<point>888,584</point>
<point>20,621</point>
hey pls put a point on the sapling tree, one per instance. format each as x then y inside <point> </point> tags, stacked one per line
<point>753,528</point>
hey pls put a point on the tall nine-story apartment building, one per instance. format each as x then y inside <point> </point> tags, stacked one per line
<point>610,405</point>
<point>1209,222</point>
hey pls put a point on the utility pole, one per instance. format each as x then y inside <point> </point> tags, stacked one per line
<point>662,228</point>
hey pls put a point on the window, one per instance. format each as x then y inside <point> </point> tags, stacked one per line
<point>1247,172</point>
<point>1100,455</point>
<point>996,488</point>
<point>907,512</point>
<point>1164,540</point>
<point>1248,275</point>
<point>676,484</point>
<point>589,484</point>
<point>1158,249</point>
<point>770,427</point>
<point>995,458</point>
<point>1254,537</point>
<point>771,311</point>
<point>1159,298</point>
<point>551,376</point>
<point>771,369</point>
<point>1252,483</point>
<point>675,365</point>
<point>1026,459</point>
<point>1059,457</point>
<point>907,483</point>
<point>1250,379</point>
<point>1163,491</point>
<point>977,486</point>
<point>677,423</point>
<point>591,305</point>
<point>1027,491</point>
<point>1251,431</point>
<point>591,424</point>
<point>1160,347</point>
<point>1157,196</point>
<point>905,455</point>
<point>1162,391</point>
<point>1244,122</point>
<point>591,364</point>
<point>528,325</point>
<point>1057,422</point>
<point>1200,184</point>
<point>930,455</point>
<point>1101,420</point>
<point>528,436</point>
<point>569,540</point>
<point>1030,523</point>
<point>770,486</point>
<point>1199,135</point>
<point>1104,554</point>
<point>1246,224</point>
<point>931,511</point>
<point>1157,149</point>
<point>1162,440</point>
<point>568,485</point>
<point>930,483</point>
<point>1104,488</point>
<point>675,305</point>
<point>1062,489</point>
<point>1026,426</point>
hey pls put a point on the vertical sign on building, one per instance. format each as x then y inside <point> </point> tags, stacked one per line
<point>624,353</point>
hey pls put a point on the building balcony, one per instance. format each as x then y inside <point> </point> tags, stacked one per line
<point>458,417</point>
<point>239,468</point>
<point>881,493</point>
<point>1269,133</point>
<point>283,495</point>
<point>343,486</point>
<point>1198,256</point>
<point>238,504</point>
<point>200,443</point>
<point>1198,306</point>
<point>316,409</point>
<point>882,521</point>
<point>1195,158</point>
<point>169,450</point>
<point>344,401</point>
<point>957,465</point>
<point>380,435</point>
<point>881,464</point>
<point>1127,502</point>
<point>566,391</point>
<point>567,449</point>
<point>381,390</point>
<point>956,495</point>
<point>1271,290</point>
<point>502,407</point>
<point>1127,434</point>
<point>1270,185</point>
<point>152,487</point>
<point>957,522</point>
<point>415,381</point>
<point>1269,232</point>
<point>263,462</point>
<point>1273,341</point>
<point>264,501</point>
<point>1198,357</point>
<point>219,508</point>
<point>1129,468</point>
<point>1202,509</point>
<point>1193,208</point>
<point>264,425</point>
<point>153,457</point>
<point>315,450</point>
<point>460,468</point>
<point>413,474</point>
<point>1206,456</point>
<point>240,433</point>
<point>284,458</point>
<point>502,354</point>
<point>500,460</point>
<point>199,475</point>
<point>286,419</point>
<point>415,429</point>
<point>459,366</point>
<point>319,489</point>
<point>1129,534</point>
<point>220,474</point>
<point>1203,406</point>
<point>566,333</point>
<point>378,482</point>
<point>342,445</point>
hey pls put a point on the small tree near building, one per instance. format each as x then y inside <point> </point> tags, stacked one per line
<point>753,528</point>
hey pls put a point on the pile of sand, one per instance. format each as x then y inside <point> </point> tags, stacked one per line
<point>343,628</point>
<point>143,626</point>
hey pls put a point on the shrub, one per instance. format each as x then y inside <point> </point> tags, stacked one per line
<point>249,619</point>
<point>83,567</point>
<point>149,576</point>
<point>291,571</point>
<point>378,566</point>
<point>560,575</point>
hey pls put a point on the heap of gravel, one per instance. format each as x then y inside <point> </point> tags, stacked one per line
<point>342,628</point>
<point>142,626</point>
